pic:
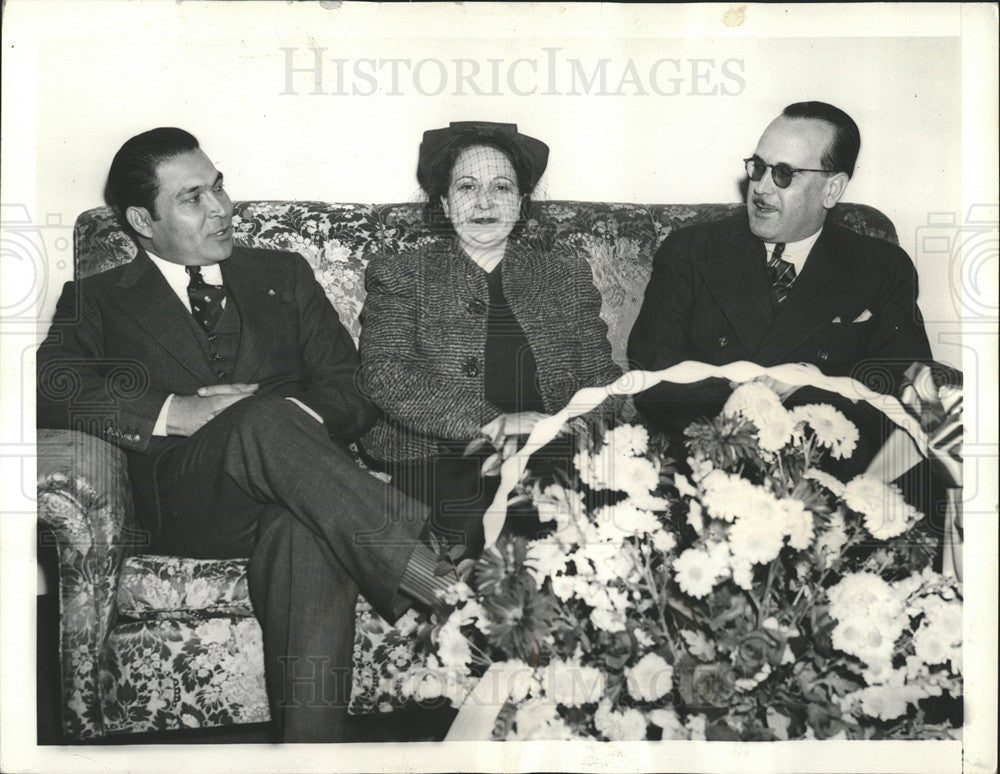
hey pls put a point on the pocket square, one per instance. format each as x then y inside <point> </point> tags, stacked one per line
<point>865,315</point>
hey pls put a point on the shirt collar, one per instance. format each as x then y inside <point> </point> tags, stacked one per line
<point>796,252</point>
<point>177,277</point>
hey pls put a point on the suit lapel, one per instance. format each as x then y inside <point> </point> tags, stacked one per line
<point>826,283</point>
<point>245,288</point>
<point>146,297</point>
<point>738,281</point>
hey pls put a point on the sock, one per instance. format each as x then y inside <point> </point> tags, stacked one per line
<point>419,581</point>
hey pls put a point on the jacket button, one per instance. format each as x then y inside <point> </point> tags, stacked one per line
<point>216,356</point>
<point>211,338</point>
<point>823,355</point>
<point>470,367</point>
<point>723,341</point>
<point>475,306</point>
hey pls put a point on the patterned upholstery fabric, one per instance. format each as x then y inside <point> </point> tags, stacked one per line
<point>157,643</point>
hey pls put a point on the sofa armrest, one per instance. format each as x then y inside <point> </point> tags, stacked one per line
<point>85,508</point>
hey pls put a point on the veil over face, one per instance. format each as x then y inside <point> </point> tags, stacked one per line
<point>483,200</point>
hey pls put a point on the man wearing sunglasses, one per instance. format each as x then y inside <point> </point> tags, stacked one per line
<point>778,284</point>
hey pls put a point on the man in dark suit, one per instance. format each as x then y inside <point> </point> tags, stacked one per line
<point>779,285</point>
<point>239,402</point>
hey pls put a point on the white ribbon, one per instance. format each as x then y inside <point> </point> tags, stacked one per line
<point>683,373</point>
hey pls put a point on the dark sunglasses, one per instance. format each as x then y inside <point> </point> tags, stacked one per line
<point>781,173</point>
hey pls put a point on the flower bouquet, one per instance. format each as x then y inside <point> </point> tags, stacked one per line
<point>758,598</point>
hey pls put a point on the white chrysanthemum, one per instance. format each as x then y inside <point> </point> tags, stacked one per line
<point>538,720</point>
<point>564,587</point>
<point>471,612</point>
<point>871,616</point>
<point>885,702</point>
<point>571,684</point>
<point>797,523</point>
<point>545,558</point>
<point>626,520</point>
<point>694,516</point>
<point>684,487</point>
<point>672,727</point>
<point>626,726</point>
<point>520,680</point>
<point>651,678</point>
<point>934,644</point>
<point>726,495</point>
<point>695,572</point>
<point>618,472</point>
<point>605,562</point>
<point>628,439</point>
<point>561,505</point>
<point>742,573</point>
<point>750,400</point>
<point>453,649</point>
<point>831,428</point>
<point>885,511</point>
<point>608,620</point>
<point>757,536</point>
<point>457,592</point>
<point>835,486</point>
<point>697,726</point>
<point>721,557</point>
<point>664,541</point>
<point>857,593</point>
<point>832,539</point>
<point>759,404</point>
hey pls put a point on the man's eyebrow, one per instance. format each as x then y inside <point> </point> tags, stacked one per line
<point>198,188</point>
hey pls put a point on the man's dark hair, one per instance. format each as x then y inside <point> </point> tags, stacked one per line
<point>438,180</point>
<point>843,151</point>
<point>132,179</point>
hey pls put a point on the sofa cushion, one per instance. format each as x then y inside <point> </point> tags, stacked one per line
<point>169,674</point>
<point>173,587</point>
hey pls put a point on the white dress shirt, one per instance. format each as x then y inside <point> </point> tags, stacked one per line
<point>795,252</point>
<point>177,277</point>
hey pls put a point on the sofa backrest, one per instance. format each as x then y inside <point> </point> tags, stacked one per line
<point>339,239</point>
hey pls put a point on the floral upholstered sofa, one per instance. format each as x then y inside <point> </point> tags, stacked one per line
<point>152,643</point>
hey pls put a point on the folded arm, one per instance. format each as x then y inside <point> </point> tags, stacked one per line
<point>81,386</point>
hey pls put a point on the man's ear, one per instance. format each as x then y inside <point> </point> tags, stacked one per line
<point>140,220</point>
<point>835,187</point>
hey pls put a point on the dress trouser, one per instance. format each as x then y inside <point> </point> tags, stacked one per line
<point>264,480</point>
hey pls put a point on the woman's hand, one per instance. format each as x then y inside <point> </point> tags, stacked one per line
<point>503,434</point>
<point>512,425</point>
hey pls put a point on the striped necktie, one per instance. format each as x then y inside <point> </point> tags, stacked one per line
<point>782,272</point>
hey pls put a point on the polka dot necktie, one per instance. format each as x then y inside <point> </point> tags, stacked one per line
<point>782,272</point>
<point>206,300</point>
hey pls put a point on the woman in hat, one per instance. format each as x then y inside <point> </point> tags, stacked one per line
<point>476,332</point>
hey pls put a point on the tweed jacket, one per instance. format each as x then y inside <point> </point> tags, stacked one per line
<point>423,340</point>
<point>852,312</point>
